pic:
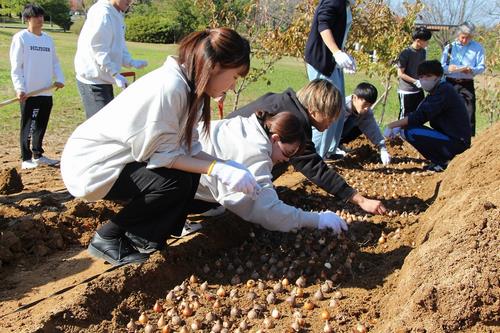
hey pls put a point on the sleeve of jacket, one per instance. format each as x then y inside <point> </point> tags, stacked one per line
<point>430,107</point>
<point>311,165</point>
<point>368,125</point>
<point>57,70</point>
<point>328,11</point>
<point>16,63</point>
<point>101,42</point>
<point>480,66</point>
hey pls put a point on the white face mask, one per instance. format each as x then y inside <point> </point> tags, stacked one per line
<point>429,84</point>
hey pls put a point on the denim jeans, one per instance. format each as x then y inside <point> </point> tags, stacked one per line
<point>327,141</point>
<point>94,96</point>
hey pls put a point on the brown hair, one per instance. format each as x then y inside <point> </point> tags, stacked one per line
<point>199,52</point>
<point>286,125</point>
<point>322,96</point>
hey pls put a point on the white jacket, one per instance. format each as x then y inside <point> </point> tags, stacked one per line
<point>34,63</point>
<point>101,49</point>
<point>244,140</point>
<point>144,123</point>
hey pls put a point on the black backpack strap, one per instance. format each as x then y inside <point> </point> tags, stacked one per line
<point>450,48</point>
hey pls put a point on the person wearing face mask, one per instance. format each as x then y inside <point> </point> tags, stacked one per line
<point>410,90</point>
<point>326,58</point>
<point>359,119</point>
<point>101,52</point>
<point>462,60</point>
<point>143,147</point>
<point>268,139</point>
<point>449,133</point>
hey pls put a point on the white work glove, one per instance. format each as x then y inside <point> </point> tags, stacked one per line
<point>121,81</point>
<point>236,179</point>
<point>384,156</point>
<point>138,63</point>
<point>331,220</point>
<point>343,60</point>
<point>418,84</point>
<point>391,133</point>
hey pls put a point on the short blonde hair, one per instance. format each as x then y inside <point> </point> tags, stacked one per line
<point>322,96</point>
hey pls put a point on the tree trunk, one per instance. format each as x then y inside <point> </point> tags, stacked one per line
<point>387,86</point>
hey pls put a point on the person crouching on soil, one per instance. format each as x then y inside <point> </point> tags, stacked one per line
<point>267,140</point>
<point>359,119</point>
<point>144,147</point>
<point>449,133</point>
<point>317,104</point>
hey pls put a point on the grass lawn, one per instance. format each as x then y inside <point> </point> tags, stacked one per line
<point>67,112</point>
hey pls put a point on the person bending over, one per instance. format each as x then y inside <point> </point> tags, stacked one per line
<point>449,133</point>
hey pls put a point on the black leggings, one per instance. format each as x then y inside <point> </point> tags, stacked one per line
<point>159,200</point>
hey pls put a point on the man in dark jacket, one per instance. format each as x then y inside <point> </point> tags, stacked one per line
<point>317,105</point>
<point>450,131</point>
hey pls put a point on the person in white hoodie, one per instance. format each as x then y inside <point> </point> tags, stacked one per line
<point>267,140</point>
<point>143,147</point>
<point>34,66</point>
<point>101,52</point>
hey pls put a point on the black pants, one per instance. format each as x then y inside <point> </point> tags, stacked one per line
<point>465,88</point>
<point>408,103</point>
<point>159,200</point>
<point>350,131</point>
<point>35,113</point>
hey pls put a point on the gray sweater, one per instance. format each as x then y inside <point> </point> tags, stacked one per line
<point>366,123</point>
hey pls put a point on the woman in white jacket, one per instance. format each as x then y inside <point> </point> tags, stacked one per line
<point>101,53</point>
<point>143,146</point>
<point>267,140</point>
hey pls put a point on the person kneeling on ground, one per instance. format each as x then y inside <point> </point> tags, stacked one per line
<point>359,119</point>
<point>143,147</point>
<point>267,140</point>
<point>317,104</point>
<point>450,131</point>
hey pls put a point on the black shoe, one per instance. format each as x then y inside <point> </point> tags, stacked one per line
<point>116,251</point>
<point>435,167</point>
<point>143,245</point>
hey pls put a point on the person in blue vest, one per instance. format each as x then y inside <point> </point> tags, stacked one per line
<point>449,133</point>
<point>462,60</point>
<point>326,59</point>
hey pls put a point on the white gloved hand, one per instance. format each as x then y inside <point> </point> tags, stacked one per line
<point>418,84</point>
<point>384,156</point>
<point>236,179</point>
<point>343,60</point>
<point>121,81</point>
<point>138,63</point>
<point>331,220</point>
<point>391,133</point>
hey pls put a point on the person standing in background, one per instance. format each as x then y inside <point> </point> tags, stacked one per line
<point>100,54</point>
<point>462,60</point>
<point>34,65</point>
<point>410,90</point>
<point>326,59</point>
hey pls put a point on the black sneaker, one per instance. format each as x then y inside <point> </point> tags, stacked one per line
<point>435,167</point>
<point>143,245</point>
<point>116,251</point>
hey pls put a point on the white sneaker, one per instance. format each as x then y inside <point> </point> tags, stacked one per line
<point>189,228</point>
<point>214,212</point>
<point>28,164</point>
<point>45,161</point>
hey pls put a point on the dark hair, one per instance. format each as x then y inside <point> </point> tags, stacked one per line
<point>366,91</point>
<point>286,125</point>
<point>432,67</point>
<point>199,53</point>
<point>421,33</point>
<point>32,10</point>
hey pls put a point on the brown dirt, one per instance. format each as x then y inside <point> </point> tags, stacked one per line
<point>429,265</point>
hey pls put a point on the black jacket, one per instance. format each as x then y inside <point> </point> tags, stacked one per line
<point>445,110</point>
<point>309,163</point>
<point>330,14</point>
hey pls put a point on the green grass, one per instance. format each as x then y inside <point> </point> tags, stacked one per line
<point>68,113</point>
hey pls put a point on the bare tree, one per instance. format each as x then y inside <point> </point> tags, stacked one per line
<point>451,12</point>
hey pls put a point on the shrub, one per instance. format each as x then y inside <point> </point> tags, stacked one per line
<point>152,29</point>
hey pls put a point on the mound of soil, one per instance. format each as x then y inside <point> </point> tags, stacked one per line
<point>10,181</point>
<point>450,281</point>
